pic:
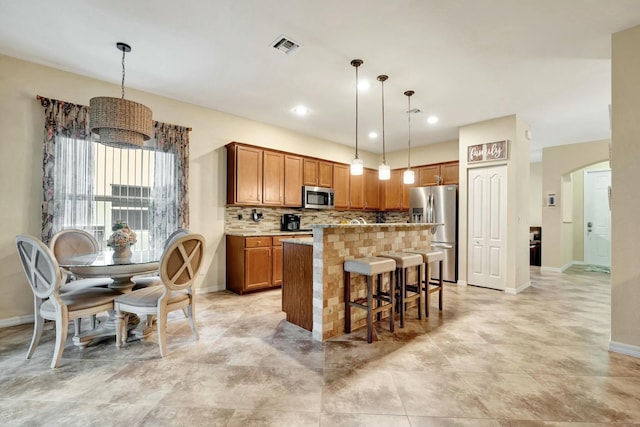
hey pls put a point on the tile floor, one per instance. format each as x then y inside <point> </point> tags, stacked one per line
<point>536,359</point>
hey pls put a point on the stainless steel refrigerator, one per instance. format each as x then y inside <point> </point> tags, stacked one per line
<point>439,204</point>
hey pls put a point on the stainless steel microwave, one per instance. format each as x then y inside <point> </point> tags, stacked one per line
<point>317,197</point>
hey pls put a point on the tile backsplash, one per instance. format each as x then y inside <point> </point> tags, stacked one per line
<point>271,218</point>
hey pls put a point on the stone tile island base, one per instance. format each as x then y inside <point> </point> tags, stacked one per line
<point>332,245</point>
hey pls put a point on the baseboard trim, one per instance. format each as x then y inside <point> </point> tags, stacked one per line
<point>514,291</point>
<point>210,289</point>
<point>629,350</point>
<point>462,283</point>
<point>15,321</point>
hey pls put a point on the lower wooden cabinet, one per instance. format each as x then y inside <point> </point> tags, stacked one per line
<point>254,263</point>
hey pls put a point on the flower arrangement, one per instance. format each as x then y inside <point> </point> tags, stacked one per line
<point>123,236</point>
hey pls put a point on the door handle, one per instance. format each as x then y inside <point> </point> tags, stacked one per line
<point>445,246</point>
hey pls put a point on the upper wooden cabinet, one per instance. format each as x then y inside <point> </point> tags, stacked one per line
<point>244,174</point>
<point>318,173</point>
<point>449,173</point>
<point>371,189</point>
<point>428,175</point>
<point>356,191</point>
<point>273,178</point>
<point>341,185</point>
<point>392,191</point>
<point>293,177</point>
<point>442,173</point>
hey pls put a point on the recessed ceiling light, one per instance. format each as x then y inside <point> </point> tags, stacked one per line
<point>373,135</point>
<point>300,110</point>
<point>364,85</point>
<point>432,120</point>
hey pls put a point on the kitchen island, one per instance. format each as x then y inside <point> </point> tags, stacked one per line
<point>331,245</point>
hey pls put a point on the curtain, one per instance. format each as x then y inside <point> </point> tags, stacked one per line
<point>169,195</point>
<point>67,146</point>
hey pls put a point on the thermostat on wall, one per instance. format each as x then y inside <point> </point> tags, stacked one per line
<point>551,199</point>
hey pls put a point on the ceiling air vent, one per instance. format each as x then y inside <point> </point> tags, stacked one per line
<point>285,44</point>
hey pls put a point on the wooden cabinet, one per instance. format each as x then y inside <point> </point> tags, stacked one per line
<point>449,173</point>
<point>273,178</point>
<point>442,173</point>
<point>248,263</point>
<point>341,186</point>
<point>356,191</point>
<point>293,177</point>
<point>325,174</point>
<point>371,189</point>
<point>254,263</point>
<point>428,175</point>
<point>244,175</point>
<point>297,288</point>
<point>392,191</point>
<point>318,173</point>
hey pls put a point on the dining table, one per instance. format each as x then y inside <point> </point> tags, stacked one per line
<point>121,270</point>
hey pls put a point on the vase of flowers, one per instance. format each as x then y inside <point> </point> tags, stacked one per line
<point>121,239</point>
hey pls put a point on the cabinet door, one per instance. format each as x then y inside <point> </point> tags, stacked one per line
<point>356,191</point>
<point>371,189</point>
<point>405,194</point>
<point>325,174</point>
<point>276,252</point>
<point>257,268</point>
<point>449,173</point>
<point>341,185</point>
<point>293,181</point>
<point>429,175</point>
<point>247,175</point>
<point>392,191</point>
<point>273,178</point>
<point>310,172</point>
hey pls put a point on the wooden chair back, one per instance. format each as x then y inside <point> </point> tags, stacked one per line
<point>181,261</point>
<point>40,266</point>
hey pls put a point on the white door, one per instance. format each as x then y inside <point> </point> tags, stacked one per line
<point>487,265</point>
<point>597,218</point>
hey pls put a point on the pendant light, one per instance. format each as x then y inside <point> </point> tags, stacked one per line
<point>409,176</point>
<point>384,171</point>
<point>119,122</point>
<point>356,163</point>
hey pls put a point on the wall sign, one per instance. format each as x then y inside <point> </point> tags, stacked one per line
<point>487,152</point>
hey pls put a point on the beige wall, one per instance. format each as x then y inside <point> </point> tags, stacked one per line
<point>22,119</point>
<point>535,195</point>
<point>424,155</point>
<point>513,129</point>
<point>625,176</point>
<point>558,236</point>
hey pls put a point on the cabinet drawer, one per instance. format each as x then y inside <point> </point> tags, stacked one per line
<point>277,240</point>
<point>256,242</point>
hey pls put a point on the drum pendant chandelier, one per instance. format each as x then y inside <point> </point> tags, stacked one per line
<point>118,122</point>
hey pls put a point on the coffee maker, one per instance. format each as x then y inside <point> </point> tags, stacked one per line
<point>290,222</point>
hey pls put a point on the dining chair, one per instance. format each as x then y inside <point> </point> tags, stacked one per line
<point>154,278</point>
<point>45,278</point>
<point>71,242</point>
<point>179,267</point>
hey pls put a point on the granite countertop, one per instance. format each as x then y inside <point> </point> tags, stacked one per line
<point>300,240</point>
<point>383,224</point>
<point>266,233</point>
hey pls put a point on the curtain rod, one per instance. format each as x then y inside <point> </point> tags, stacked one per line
<point>40,98</point>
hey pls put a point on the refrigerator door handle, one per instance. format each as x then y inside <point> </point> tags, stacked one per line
<point>441,245</point>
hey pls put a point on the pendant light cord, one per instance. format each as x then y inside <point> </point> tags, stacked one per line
<point>409,157</point>
<point>357,109</point>
<point>123,52</point>
<point>384,159</point>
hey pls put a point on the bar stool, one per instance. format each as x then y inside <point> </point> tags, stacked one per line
<point>429,256</point>
<point>404,261</point>
<point>370,267</point>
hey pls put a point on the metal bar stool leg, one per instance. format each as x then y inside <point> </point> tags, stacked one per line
<point>347,302</point>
